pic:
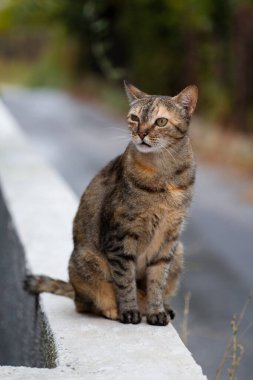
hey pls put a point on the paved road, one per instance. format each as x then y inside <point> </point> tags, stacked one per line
<point>78,139</point>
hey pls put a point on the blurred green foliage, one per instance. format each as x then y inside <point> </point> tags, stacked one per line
<point>160,45</point>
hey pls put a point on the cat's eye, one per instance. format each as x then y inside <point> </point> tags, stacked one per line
<point>134,118</point>
<point>161,122</point>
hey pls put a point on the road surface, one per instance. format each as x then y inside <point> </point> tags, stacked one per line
<point>78,139</point>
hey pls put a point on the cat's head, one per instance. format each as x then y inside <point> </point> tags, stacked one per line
<point>157,122</point>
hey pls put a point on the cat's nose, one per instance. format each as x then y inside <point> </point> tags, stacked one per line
<point>142,134</point>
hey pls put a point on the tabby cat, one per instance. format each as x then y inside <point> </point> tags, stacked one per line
<point>127,256</point>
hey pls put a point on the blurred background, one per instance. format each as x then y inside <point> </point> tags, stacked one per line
<point>62,64</point>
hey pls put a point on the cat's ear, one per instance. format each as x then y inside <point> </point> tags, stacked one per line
<point>187,98</point>
<point>133,93</point>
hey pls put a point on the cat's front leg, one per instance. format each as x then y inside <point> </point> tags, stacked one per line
<point>157,276</point>
<point>123,274</point>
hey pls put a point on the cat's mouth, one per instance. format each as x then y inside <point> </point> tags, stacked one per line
<point>143,143</point>
<point>145,147</point>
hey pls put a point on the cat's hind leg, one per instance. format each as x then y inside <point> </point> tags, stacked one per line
<point>91,279</point>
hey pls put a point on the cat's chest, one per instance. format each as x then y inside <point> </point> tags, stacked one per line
<point>151,237</point>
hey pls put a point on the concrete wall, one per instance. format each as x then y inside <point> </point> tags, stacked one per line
<point>38,231</point>
<point>25,339</point>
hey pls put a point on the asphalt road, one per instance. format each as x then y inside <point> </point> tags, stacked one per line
<point>78,139</point>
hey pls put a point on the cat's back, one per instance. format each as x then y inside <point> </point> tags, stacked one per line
<point>88,215</point>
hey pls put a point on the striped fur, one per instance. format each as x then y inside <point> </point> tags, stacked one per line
<point>127,256</point>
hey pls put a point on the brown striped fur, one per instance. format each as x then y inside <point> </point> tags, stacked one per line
<point>127,256</point>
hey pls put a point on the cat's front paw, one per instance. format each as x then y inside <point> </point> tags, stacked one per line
<point>130,316</point>
<point>158,319</point>
<point>171,313</point>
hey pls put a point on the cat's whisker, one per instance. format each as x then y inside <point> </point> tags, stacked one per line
<point>170,153</point>
<point>176,153</point>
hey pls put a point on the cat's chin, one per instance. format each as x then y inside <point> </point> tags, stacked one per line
<point>143,148</point>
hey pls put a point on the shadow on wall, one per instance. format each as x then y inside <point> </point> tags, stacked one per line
<point>25,339</point>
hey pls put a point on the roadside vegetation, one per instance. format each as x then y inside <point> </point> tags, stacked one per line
<point>174,43</point>
<point>231,360</point>
<point>88,47</point>
<point>234,351</point>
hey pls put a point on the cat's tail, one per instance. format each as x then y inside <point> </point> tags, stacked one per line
<point>39,284</point>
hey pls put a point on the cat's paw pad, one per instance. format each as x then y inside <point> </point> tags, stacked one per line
<point>111,314</point>
<point>158,319</point>
<point>130,316</point>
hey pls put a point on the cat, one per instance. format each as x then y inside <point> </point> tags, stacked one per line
<point>127,256</point>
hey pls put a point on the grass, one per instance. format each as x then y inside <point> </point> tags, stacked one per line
<point>13,72</point>
<point>184,333</point>
<point>27,73</point>
<point>234,349</point>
